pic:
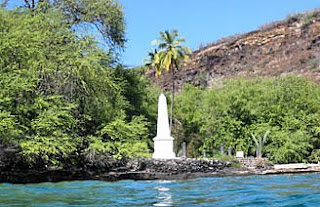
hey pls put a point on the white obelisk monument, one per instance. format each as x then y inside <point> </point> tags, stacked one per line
<point>163,142</point>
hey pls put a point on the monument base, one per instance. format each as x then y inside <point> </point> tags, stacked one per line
<point>163,148</point>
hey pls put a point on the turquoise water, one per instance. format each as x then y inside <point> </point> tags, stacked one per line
<point>271,190</point>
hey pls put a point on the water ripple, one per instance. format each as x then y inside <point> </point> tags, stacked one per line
<point>270,190</point>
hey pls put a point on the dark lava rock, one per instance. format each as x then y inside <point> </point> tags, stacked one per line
<point>136,169</point>
<point>177,166</point>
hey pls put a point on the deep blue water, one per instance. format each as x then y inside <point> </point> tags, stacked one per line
<point>269,190</point>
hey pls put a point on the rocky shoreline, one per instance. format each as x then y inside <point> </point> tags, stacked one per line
<point>148,169</point>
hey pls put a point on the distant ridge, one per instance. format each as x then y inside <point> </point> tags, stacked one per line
<point>290,46</point>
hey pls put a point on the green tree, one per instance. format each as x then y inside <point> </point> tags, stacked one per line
<point>189,119</point>
<point>153,62</point>
<point>104,15</point>
<point>237,108</point>
<point>59,90</point>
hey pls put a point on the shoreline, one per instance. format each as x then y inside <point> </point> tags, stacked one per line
<point>183,176</point>
<point>150,169</point>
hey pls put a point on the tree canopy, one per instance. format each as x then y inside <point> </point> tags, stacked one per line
<point>61,98</point>
<point>286,108</point>
<point>104,15</point>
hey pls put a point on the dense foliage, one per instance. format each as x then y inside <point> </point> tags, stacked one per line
<point>285,110</point>
<point>105,16</point>
<point>65,101</point>
<point>60,97</point>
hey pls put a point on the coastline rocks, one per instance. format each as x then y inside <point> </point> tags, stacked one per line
<point>136,169</point>
<point>171,169</point>
<point>176,166</point>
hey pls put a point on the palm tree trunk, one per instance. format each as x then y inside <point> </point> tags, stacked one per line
<point>172,98</point>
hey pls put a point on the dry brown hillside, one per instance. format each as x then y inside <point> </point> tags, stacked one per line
<point>291,46</point>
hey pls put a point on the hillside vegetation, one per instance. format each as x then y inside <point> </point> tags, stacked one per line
<point>285,110</point>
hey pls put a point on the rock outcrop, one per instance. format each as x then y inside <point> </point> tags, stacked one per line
<point>137,169</point>
<point>177,166</point>
<point>291,46</point>
<point>145,169</point>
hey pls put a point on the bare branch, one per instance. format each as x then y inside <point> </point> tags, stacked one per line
<point>3,3</point>
<point>28,5</point>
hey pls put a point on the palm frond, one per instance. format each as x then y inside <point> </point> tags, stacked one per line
<point>170,54</point>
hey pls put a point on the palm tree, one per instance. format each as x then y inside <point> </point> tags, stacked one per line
<point>153,62</point>
<point>169,57</point>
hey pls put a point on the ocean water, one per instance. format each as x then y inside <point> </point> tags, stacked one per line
<point>268,190</point>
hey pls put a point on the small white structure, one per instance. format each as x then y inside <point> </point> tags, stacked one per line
<point>163,142</point>
<point>239,154</point>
